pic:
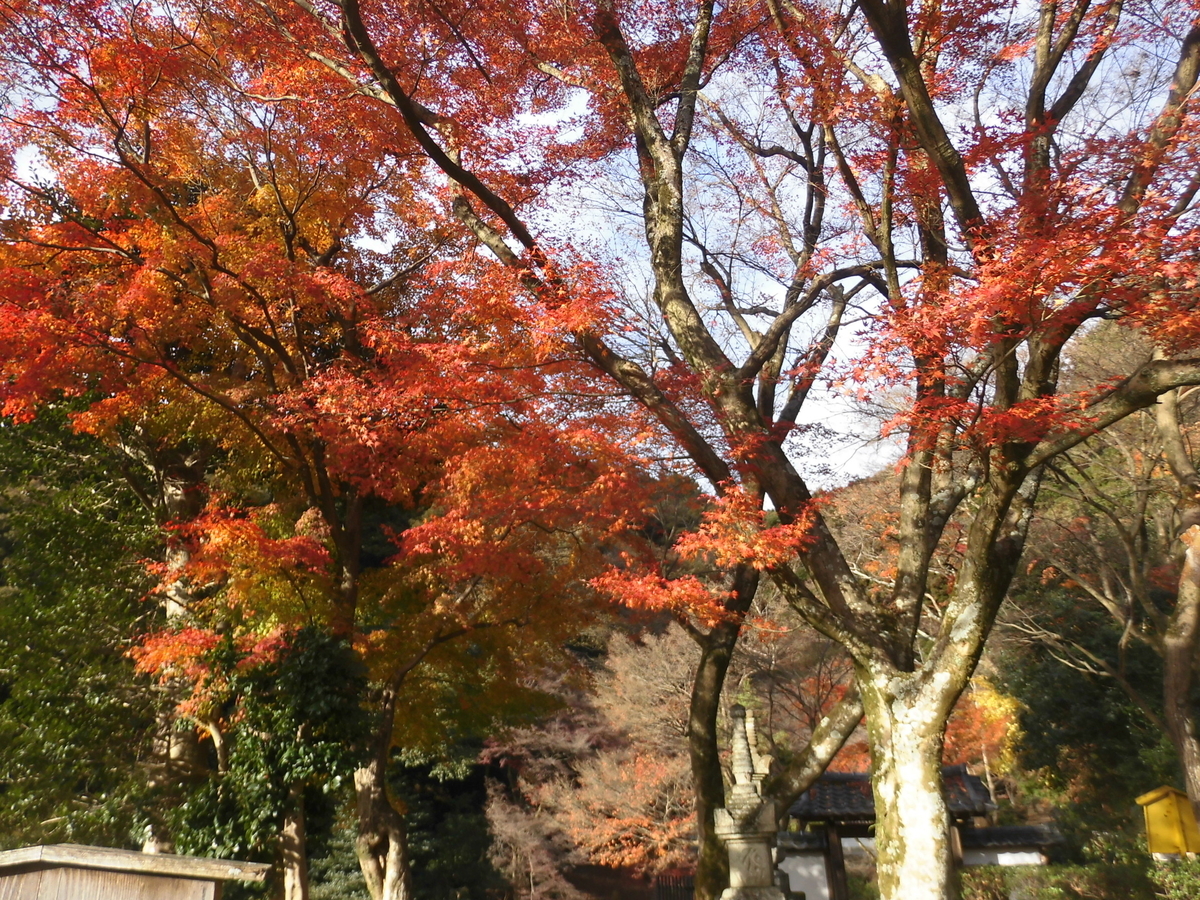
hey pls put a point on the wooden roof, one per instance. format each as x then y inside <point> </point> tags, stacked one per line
<point>83,857</point>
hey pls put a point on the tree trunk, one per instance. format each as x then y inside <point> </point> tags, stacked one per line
<point>712,864</point>
<point>906,722</point>
<point>717,646</point>
<point>171,485</point>
<point>293,847</point>
<point>1182,634</point>
<point>382,844</point>
<point>1179,658</point>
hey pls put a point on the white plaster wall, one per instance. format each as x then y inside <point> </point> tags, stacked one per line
<point>806,872</point>
<point>858,846</point>
<point>1003,858</point>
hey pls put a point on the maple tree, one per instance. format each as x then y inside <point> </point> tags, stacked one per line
<point>960,185</point>
<point>523,851</point>
<point>263,303</point>
<point>973,249</point>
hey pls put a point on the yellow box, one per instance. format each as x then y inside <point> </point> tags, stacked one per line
<point>1170,822</point>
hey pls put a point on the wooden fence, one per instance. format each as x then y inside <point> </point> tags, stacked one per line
<point>673,887</point>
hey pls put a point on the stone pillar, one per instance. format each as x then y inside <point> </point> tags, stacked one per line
<point>747,823</point>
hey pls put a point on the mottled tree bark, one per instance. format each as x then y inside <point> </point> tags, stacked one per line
<point>293,847</point>
<point>906,721</point>
<point>382,843</point>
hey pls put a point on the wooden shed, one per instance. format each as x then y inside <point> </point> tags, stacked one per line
<point>77,872</point>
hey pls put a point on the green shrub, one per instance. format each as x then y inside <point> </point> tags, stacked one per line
<point>860,887</point>
<point>1178,879</point>
<point>1088,882</point>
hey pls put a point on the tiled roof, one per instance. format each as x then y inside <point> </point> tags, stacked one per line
<point>1000,837</point>
<point>841,796</point>
<point>846,797</point>
<point>966,794</point>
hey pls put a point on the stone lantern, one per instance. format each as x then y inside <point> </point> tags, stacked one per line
<point>747,824</point>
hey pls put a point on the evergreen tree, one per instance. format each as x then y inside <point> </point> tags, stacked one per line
<point>75,721</point>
